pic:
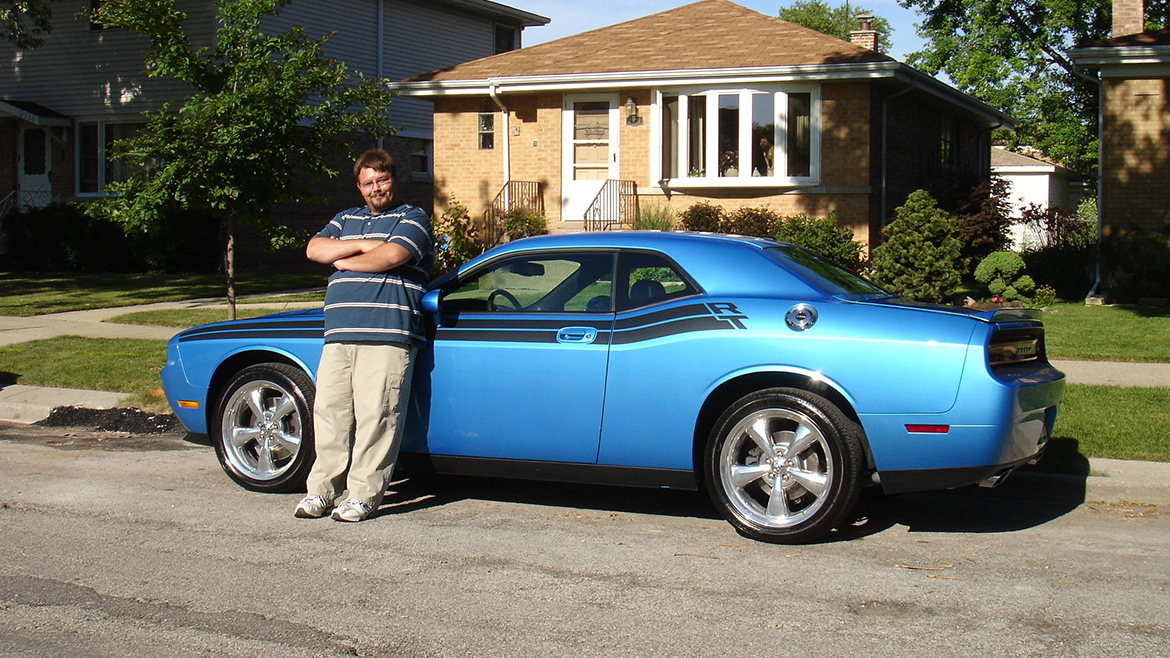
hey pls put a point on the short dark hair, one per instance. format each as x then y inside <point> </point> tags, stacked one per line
<point>375,159</point>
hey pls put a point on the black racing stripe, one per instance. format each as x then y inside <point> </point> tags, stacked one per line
<point>457,322</point>
<point>317,323</point>
<point>654,317</point>
<point>240,333</point>
<point>686,325</point>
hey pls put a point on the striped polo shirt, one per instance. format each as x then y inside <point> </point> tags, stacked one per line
<point>382,307</point>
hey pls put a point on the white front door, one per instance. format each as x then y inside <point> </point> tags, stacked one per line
<point>33,166</point>
<point>589,150</point>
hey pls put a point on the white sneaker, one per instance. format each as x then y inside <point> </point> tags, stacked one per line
<point>313,507</point>
<point>352,511</point>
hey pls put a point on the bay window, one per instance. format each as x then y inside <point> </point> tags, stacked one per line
<point>739,137</point>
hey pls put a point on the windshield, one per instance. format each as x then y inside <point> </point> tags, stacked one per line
<point>822,273</point>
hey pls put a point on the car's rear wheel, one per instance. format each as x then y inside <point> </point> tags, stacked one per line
<point>784,465</point>
<point>263,428</point>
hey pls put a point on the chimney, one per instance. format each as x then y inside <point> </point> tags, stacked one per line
<point>866,37</point>
<point>1129,17</point>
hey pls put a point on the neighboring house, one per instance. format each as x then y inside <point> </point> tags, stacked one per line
<point>1134,69</point>
<point>61,105</point>
<point>1034,182</point>
<point>706,102</point>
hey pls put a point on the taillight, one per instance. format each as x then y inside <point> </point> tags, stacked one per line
<point>1012,348</point>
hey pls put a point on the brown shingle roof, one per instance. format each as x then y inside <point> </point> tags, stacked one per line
<point>709,34</point>
<point>1152,38</point>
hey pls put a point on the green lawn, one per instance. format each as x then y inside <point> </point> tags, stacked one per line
<point>124,365</point>
<point>1108,333</point>
<point>35,294</point>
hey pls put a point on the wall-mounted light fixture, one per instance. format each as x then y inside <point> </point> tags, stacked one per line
<point>632,118</point>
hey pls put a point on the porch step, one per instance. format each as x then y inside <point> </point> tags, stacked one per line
<point>569,226</point>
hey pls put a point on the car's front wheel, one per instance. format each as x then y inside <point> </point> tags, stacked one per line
<point>263,428</point>
<point>783,465</point>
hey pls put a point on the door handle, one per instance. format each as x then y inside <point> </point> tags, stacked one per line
<point>583,335</point>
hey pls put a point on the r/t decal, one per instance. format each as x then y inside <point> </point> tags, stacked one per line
<point>727,312</point>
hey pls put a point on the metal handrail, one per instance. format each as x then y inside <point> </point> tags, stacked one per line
<point>616,204</point>
<point>515,194</point>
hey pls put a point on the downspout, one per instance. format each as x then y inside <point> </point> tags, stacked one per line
<point>381,38</point>
<point>1100,178</point>
<point>886,153</point>
<point>494,93</point>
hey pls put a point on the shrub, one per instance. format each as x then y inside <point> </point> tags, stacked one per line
<point>656,217</point>
<point>1062,251</point>
<point>703,216</point>
<point>756,222</point>
<point>981,210</point>
<point>1136,264</point>
<point>920,258</point>
<point>823,236</point>
<point>1045,296</point>
<point>998,271</point>
<point>62,238</point>
<point>522,223</point>
<point>456,240</point>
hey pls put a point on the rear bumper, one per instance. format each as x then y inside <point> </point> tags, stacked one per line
<point>997,425</point>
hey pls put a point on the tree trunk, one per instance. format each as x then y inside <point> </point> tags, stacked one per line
<point>229,265</point>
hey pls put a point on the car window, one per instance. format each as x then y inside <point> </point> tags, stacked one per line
<point>650,279</point>
<point>821,272</point>
<point>554,283</point>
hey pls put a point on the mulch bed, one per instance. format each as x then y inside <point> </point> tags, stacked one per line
<point>131,421</point>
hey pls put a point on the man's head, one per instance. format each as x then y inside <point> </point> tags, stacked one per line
<point>376,174</point>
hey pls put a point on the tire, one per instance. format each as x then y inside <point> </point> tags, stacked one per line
<point>752,449</point>
<point>263,428</point>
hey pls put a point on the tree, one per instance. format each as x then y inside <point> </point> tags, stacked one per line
<point>835,21</point>
<point>920,257</point>
<point>22,21</point>
<point>263,121</point>
<point>1014,55</point>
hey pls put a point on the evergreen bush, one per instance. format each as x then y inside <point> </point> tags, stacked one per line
<point>920,257</point>
<point>999,272</point>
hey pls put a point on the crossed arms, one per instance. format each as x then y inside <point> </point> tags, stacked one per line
<point>369,256</point>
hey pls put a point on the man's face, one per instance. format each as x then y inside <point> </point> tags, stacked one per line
<point>377,188</point>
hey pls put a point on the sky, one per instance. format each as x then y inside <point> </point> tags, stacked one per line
<point>573,16</point>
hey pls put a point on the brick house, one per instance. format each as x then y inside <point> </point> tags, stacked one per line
<point>1134,72</point>
<point>63,103</point>
<point>706,102</point>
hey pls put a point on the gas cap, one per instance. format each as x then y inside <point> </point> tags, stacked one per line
<point>801,317</point>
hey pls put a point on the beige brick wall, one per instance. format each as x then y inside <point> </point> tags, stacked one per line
<point>474,177</point>
<point>1136,166</point>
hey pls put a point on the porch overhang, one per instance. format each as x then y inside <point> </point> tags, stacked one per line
<point>612,81</point>
<point>33,113</point>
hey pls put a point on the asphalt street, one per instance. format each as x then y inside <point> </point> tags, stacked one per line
<point>118,546</point>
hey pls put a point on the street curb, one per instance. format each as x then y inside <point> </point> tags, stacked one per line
<point>29,404</point>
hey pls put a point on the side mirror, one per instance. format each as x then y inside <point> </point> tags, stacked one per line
<point>430,301</point>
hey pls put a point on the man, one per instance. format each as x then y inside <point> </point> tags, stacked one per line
<point>381,256</point>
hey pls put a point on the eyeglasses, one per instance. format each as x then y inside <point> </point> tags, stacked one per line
<point>381,182</point>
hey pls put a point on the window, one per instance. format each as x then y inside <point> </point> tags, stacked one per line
<point>949,141</point>
<point>739,137</point>
<point>34,153</point>
<point>649,279</point>
<point>420,159</point>
<point>95,142</point>
<point>552,283</point>
<point>487,125</point>
<point>505,39</point>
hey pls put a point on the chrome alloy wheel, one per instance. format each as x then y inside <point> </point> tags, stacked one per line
<point>261,430</point>
<point>775,467</point>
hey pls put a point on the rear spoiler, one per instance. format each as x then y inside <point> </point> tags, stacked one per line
<point>1009,314</point>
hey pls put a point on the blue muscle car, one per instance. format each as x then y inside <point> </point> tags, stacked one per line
<point>777,381</point>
